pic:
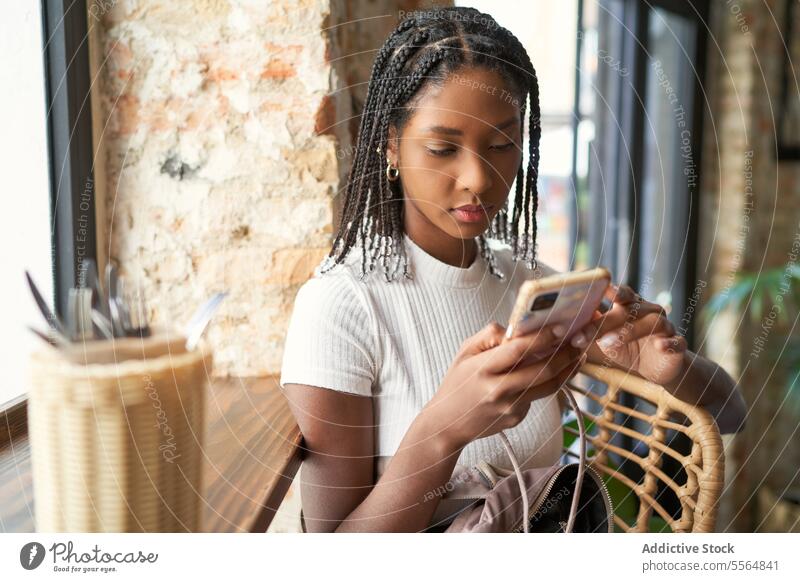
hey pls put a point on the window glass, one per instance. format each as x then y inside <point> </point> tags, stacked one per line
<point>26,233</point>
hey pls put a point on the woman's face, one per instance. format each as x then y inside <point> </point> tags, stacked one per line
<point>460,146</point>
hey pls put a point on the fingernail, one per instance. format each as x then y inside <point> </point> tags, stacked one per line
<point>578,340</point>
<point>609,341</point>
<point>559,330</point>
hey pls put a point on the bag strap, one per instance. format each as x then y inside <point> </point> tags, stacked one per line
<point>573,511</point>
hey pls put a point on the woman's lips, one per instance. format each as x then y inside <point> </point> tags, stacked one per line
<point>470,213</point>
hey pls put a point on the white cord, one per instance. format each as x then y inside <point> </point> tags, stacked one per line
<point>573,510</point>
<point>518,472</point>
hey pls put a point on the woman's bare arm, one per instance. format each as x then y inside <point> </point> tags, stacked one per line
<point>488,388</point>
<point>337,476</point>
<point>705,383</point>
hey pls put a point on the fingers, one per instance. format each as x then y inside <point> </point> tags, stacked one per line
<point>628,309</point>
<point>518,407</point>
<point>620,293</point>
<point>487,338</point>
<point>534,392</point>
<point>623,294</point>
<point>676,343</point>
<point>652,324</point>
<point>617,317</point>
<point>522,378</point>
<point>519,351</point>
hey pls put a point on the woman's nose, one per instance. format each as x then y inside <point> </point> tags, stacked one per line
<point>476,175</point>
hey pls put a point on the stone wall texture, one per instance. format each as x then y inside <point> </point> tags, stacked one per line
<point>226,134</point>
<point>215,176</point>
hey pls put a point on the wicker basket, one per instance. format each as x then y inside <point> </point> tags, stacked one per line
<point>116,431</point>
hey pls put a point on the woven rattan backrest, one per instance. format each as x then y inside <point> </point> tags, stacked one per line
<point>698,493</point>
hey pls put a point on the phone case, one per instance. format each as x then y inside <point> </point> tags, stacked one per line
<point>566,298</point>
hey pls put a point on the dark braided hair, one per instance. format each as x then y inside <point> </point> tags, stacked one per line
<point>425,48</point>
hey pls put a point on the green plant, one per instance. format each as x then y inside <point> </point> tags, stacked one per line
<point>778,291</point>
<point>751,291</point>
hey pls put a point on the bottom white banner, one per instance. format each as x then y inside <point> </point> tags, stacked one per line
<point>355,557</point>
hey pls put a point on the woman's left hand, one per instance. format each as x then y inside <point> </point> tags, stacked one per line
<point>636,335</point>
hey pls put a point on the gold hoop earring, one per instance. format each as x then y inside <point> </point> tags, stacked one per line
<point>392,173</point>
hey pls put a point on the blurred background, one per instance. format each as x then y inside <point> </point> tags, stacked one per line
<point>203,146</point>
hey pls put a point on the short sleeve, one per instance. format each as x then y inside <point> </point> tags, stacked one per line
<point>330,341</point>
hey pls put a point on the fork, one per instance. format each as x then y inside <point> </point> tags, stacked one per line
<point>136,304</point>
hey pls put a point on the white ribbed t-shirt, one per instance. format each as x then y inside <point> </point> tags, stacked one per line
<point>394,342</point>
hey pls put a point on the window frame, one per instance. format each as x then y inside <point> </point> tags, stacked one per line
<point>787,151</point>
<point>622,129</point>
<point>70,154</point>
<point>623,175</point>
<point>70,145</point>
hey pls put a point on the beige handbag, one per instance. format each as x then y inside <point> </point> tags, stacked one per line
<point>556,498</point>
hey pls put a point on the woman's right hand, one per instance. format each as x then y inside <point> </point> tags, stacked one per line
<point>490,384</point>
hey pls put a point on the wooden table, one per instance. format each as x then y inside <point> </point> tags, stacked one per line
<point>252,449</point>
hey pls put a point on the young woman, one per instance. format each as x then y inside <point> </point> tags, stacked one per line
<point>397,377</point>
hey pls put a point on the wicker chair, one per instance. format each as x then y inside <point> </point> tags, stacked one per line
<point>703,468</point>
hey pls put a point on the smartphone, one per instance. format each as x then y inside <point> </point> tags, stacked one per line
<point>566,298</point>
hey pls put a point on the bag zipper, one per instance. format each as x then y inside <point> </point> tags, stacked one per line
<point>607,497</point>
<point>543,497</point>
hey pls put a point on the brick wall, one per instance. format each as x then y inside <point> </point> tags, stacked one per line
<point>750,216</point>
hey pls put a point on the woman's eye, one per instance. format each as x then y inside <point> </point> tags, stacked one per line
<point>440,151</point>
<point>503,147</point>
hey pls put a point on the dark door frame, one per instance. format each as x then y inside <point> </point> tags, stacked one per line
<point>623,26</point>
<point>70,148</point>
<point>622,130</point>
<point>70,155</point>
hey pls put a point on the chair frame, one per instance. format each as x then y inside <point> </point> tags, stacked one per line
<point>704,466</point>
